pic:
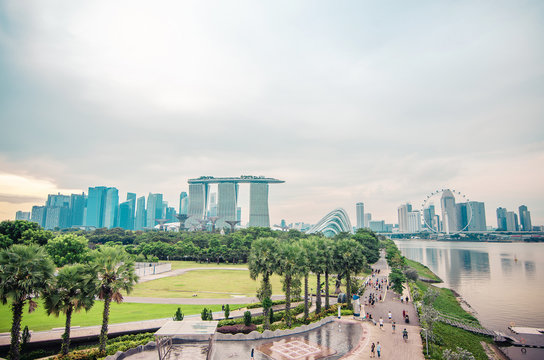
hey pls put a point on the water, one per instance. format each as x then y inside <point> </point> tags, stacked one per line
<point>504,283</point>
<point>341,337</point>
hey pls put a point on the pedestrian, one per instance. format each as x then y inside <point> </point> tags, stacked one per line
<point>380,297</point>
<point>253,354</point>
<point>372,347</point>
<point>381,325</point>
<point>402,299</point>
<point>403,314</point>
<point>393,326</point>
<point>389,314</point>
<point>407,299</point>
<point>379,349</point>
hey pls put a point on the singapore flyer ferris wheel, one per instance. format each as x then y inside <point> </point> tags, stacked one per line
<point>455,215</point>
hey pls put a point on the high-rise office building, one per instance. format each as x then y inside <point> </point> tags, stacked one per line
<point>78,202</point>
<point>360,214</point>
<point>377,226</point>
<point>183,203</point>
<point>478,222</point>
<point>258,205</point>
<point>154,209</point>
<point>449,212</point>
<point>227,203</point>
<point>126,221</point>
<point>525,218</point>
<point>170,214</point>
<point>141,216</point>
<point>22,215</point>
<point>96,202</point>
<point>428,217</point>
<point>414,222</point>
<point>111,208</point>
<point>131,196</point>
<point>367,218</point>
<point>402,213</point>
<point>512,221</point>
<point>57,217</point>
<point>501,219</point>
<point>462,215</point>
<point>58,200</point>
<point>39,214</point>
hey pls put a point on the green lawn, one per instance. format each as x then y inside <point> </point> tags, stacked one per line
<point>193,264</point>
<point>451,337</point>
<point>447,303</point>
<point>211,284</point>
<point>119,313</point>
<point>422,270</point>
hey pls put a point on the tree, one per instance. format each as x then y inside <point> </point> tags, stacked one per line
<point>329,264</point>
<point>38,236</point>
<point>74,289</point>
<point>227,311</point>
<point>15,229</point>
<point>178,316</point>
<point>319,266</point>
<point>289,266</point>
<point>24,272</point>
<point>350,260</point>
<point>397,278</point>
<point>68,249</point>
<point>115,271</point>
<point>307,264</point>
<point>263,261</point>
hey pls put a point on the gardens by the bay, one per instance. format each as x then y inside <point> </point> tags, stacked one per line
<point>84,275</point>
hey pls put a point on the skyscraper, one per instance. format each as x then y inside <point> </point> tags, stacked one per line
<point>258,205</point>
<point>512,221</point>
<point>57,217</point>
<point>462,214</point>
<point>22,215</point>
<point>39,214</point>
<point>360,213</point>
<point>501,219</point>
<point>449,212</point>
<point>77,209</point>
<point>198,200</point>
<point>428,216</point>
<point>227,203</point>
<point>402,212</point>
<point>111,208</point>
<point>525,218</point>
<point>367,218</point>
<point>96,202</point>
<point>183,203</point>
<point>154,209</point>
<point>140,221</point>
<point>414,222</point>
<point>478,222</point>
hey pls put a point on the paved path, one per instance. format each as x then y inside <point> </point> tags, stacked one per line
<point>393,345</point>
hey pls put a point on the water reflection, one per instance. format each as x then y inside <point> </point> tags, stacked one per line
<point>530,269</point>
<point>506,266</point>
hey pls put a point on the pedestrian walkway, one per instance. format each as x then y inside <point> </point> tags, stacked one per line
<point>392,344</point>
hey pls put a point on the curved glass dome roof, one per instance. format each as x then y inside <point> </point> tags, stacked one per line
<point>335,222</point>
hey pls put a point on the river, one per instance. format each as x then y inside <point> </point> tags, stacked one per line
<point>503,282</point>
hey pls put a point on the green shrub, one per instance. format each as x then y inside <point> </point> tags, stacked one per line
<point>247,318</point>
<point>178,316</point>
<point>227,311</point>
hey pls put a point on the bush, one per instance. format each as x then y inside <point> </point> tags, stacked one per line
<point>227,311</point>
<point>411,274</point>
<point>206,314</point>
<point>236,329</point>
<point>247,318</point>
<point>88,354</point>
<point>178,316</point>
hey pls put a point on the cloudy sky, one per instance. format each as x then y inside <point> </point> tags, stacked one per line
<point>374,101</point>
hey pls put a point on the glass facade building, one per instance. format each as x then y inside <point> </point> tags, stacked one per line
<point>258,205</point>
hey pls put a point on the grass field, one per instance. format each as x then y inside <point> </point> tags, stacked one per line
<point>119,313</point>
<point>210,284</point>
<point>193,264</point>
<point>447,303</point>
<point>422,270</point>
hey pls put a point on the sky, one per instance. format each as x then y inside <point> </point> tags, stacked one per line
<point>347,101</point>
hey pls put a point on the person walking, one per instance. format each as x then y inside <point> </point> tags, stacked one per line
<point>389,314</point>
<point>379,349</point>
<point>381,324</point>
<point>372,347</point>
<point>393,325</point>
<point>403,314</point>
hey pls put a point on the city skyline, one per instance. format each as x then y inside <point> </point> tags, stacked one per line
<point>364,102</point>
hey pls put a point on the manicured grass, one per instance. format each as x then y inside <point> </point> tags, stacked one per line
<point>193,264</point>
<point>447,303</point>
<point>210,284</point>
<point>119,313</point>
<point>422,270</point>
<point>450,337</point>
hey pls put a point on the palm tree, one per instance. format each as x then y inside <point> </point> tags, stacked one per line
<point>307,264</point>
<point>319,266</point>
<point>263,261</point>
<point>329,264</point>
<point>350,256</point>
<point>289,265</point>
<point>74,289</point>
<point>115,271</point>
<point>24,272</point>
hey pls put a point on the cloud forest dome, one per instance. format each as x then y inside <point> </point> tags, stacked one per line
<point>335,222</point>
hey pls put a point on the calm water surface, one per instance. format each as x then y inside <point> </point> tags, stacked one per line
<point>504,283</point>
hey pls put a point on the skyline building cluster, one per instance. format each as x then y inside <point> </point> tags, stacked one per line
<point>509,220</point>
<point>101,208</point>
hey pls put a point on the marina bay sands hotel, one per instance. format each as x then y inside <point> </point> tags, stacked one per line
<point>227,198</point>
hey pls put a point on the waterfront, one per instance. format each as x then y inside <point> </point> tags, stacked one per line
<point>502,282</point>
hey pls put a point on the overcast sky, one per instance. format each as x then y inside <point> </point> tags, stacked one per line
<point>375,101</point>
